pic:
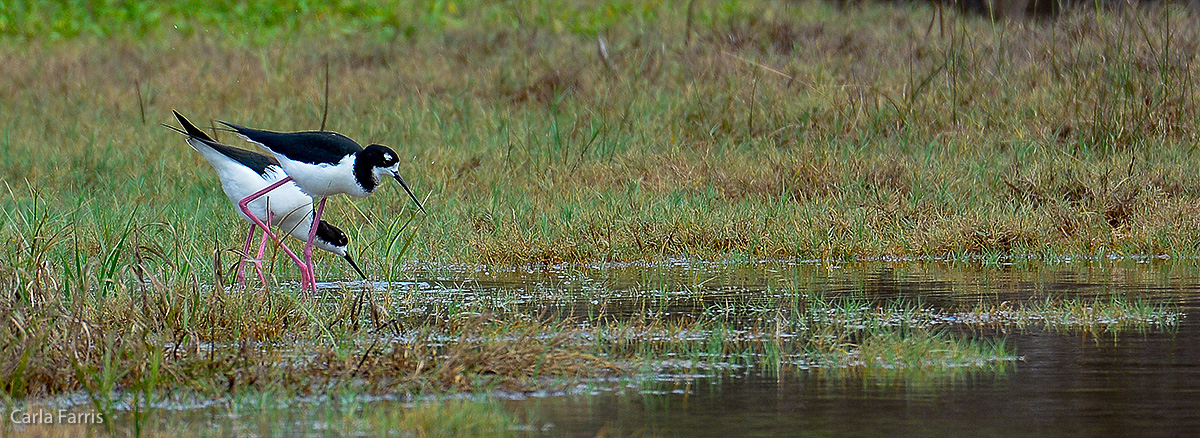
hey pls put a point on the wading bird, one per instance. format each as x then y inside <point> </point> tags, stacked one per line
<point>324,163</point>
<point>245,173</point>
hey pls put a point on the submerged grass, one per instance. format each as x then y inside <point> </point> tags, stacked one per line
<point>1111,316</point>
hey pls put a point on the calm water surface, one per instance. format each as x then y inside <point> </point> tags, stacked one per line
<point>1139,384</point>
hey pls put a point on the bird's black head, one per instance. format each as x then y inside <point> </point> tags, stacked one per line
<point>372,164</point>
<point>332,239</point>
<point>377,155</point>
<point>332,235</point>
<point>380,161</point>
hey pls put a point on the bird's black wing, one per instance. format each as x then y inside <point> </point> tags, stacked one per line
<point>254,160</point>
<point>313,147</point>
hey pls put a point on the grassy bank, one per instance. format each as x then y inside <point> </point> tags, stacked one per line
<point>772,130</point>
<point>214,343</point>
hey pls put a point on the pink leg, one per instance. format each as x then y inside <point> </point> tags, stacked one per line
<point>245,251</point>
<point>305,268</point>
<point>312,234</point>
<point>244,205</point>
<point>305,273</point>
<point>262,246</point>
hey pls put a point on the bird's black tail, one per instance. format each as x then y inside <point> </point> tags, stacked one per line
<point>190,129</point>
<point>255,161</point>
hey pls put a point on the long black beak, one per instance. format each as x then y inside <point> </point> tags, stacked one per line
<point>410,193</point>
<point>355,266</point>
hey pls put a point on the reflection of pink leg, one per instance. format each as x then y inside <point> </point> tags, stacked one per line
<point>312,234</point>
<point>245,252</point>
<point>244,205</point>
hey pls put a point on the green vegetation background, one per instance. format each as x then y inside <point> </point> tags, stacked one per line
<point>565,131</point>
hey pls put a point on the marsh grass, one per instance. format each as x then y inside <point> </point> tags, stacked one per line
<point>138,343</point>
<point>1110,315</point>
<point>781,131</point>
<point>125,333</point>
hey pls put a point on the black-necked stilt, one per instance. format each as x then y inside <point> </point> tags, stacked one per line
<point>244,173</point>
<point>326,163</point>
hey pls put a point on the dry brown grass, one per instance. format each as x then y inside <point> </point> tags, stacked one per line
<point>847,133</point>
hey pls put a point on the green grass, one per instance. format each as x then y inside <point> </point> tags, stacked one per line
<point>271,21</point>
<point>740,144</point>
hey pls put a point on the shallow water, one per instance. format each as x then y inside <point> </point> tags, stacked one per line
<point>1136,384</point>
<point>1065,385</point>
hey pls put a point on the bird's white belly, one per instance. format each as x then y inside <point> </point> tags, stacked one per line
<point>323,180</point>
